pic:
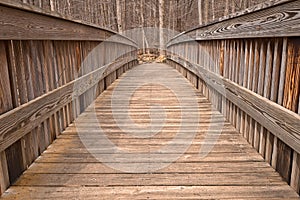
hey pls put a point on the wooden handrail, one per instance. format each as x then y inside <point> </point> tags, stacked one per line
<point>26,23</point>
<point>280,20</point>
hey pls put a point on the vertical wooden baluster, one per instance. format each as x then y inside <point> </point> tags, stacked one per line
<point>294,105</point>
<point>52,85</point>
<point>205,57</point>
<point>237,62</point>
<point>62,78</point>
<point>230,75</point>
<point>275,87</point>
<point>5,156</point>
<point>239,80</point>
<point>256,65</point>
<point>285,153</point>
<point>292,82</point>
<point>282,71</point>
<point>31,64</point>
<point>245,83</point>
<point>67,80</point>
<point>39,90</point>
<point>57,83</point>
<point>253,86</point>
<point>224,72</point>
<point>22,75</point>
<point>234,79</point>
<point>266,93</point>
<point>251,65</point>
<point>82,72</point>
<point>72,76</point>
<point>252,46</point>
<point>4,174</point>
<point>226,59</point>
<point>45,71</point>
<point>63,68</point>
<point>242,62</point>
<point>227,67</point>
<point>295,176</point>
<point>6,104</point>
<point>259,135</point>
<point>77,57</point>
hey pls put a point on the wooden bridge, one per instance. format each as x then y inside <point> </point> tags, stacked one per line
<point>83,119</point>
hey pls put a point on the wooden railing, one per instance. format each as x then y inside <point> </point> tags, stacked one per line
<point>249,68</point>
<point>51,70</point>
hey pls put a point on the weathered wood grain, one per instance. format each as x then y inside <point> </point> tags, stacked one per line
<point>19,24</point>
<point>69,169</point>
<point>153,192</point>
<point>270,22</point>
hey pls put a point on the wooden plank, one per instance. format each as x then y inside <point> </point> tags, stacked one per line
<point>270,22</point>
<point>152,192</point>
<point>220,179</point>
<point>43,107</point>
<point>280,121</point>
<point>181,167</point>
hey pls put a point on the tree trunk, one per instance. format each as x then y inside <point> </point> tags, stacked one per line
<point>226,8</point>
<point>200,12</point>
<point>119,16</point>
<point>161,25</point>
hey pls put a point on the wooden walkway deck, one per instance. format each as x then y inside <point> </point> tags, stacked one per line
<point>232,170</point>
